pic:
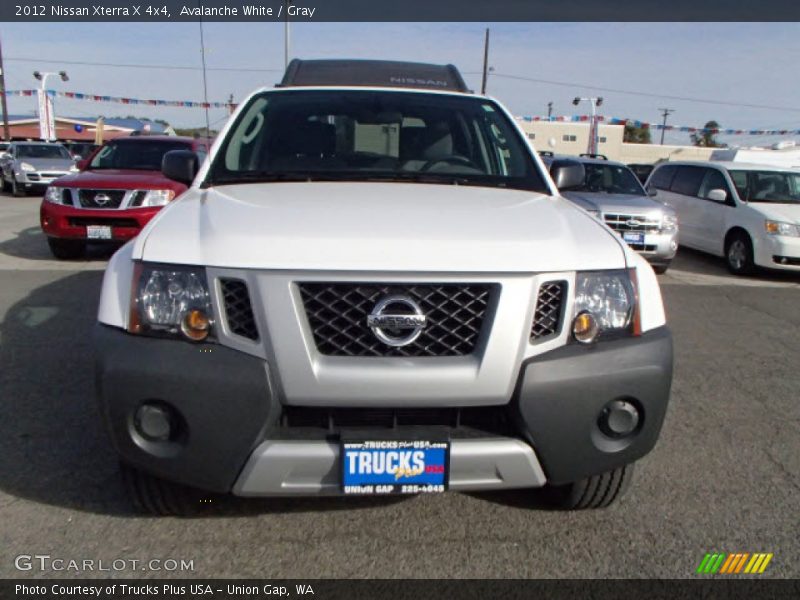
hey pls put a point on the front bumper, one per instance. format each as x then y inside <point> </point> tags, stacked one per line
<point>235,440</point>
<point>36,179</point>
<point>778,252</point>
<point>60,221</point>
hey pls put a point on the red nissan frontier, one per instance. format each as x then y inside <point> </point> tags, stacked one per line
<point>117,190</point>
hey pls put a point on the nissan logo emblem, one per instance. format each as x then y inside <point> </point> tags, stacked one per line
<point>101,199</point>
<point>397,321</point>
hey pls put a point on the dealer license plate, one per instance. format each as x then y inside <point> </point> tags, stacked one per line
<point>394,466</point>
<point>98,232</point>
<point>633,237</point>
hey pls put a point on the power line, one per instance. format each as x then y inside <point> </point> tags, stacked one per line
<point>645,94</point>
<point>140,66</point>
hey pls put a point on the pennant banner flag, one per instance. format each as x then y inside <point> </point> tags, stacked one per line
<point>659,126</point>
<point>121,100</point>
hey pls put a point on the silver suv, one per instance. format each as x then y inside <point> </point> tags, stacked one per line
<point>613,193</point>
<point>32,166</point>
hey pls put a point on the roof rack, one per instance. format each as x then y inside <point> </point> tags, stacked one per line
<point>590,155</point>
<point>373,73</point>
<point>547,153</point>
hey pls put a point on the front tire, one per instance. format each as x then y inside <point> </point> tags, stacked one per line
<point>660,269</point>
<point>66,249</point>
<point>597,491</point>
<point>17,190</point>
<point>154,496</point>
<point>739,253</point>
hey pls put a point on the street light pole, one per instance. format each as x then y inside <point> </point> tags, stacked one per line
<point>6,135</point>
<point>593,128</point>
<point>47,127</point>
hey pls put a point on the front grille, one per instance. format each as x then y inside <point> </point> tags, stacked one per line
<point>238,310</point>
<point>643,247</point>
<point>549,310</point>
<point>86,221</point>
<point>337,314</point>
<point>619,222</point>
<point>490,419</point>
<point>33,177</point>
<point>51,175</point>
<point>87,198</point>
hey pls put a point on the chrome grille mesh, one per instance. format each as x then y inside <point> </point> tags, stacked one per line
<point>631,223</point>
<point>238,310</point>
<point>88,198</point>
<point>549,310</point>
<point>337,314</point>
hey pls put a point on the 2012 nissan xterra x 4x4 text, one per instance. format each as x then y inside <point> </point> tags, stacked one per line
<point>372,286</point>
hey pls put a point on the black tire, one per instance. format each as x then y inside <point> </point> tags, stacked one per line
<point>739,253</point>
<point>17,190</point>
<point>597,491</point>
<point>6,185</point>
<point>66,249</point>
<point>154,496</point>
<point>660,269</point>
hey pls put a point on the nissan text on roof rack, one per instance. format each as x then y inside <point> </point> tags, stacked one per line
<point>372,287</point>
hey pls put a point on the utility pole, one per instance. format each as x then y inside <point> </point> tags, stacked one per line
<point>231,105</point>
<point>6,135</point>
<point>205,82</point>
<point>665,112</point>
<point>549,110</point>
<point>286,36</point>
<point>485,62</point>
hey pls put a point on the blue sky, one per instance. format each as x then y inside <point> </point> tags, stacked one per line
<point>745,63</point>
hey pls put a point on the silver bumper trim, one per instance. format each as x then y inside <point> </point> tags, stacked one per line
<point>309,468</point>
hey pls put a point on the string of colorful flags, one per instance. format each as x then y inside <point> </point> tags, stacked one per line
<point>659,126</point>
<point>120,100</point>
<point>560,119</point>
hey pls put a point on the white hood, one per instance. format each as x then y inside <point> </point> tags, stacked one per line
<point>366,226</point>
<point>789,213</point>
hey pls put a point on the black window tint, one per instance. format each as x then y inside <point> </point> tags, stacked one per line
<point>687,180</point>
<point>662,178</point>
<point>713,180</point>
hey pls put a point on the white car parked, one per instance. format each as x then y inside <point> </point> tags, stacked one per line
<point>748,213</point>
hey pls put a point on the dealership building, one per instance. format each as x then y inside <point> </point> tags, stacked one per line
<point>82,129</point>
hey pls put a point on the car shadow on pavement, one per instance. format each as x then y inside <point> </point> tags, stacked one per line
<point>31,244</point>
<point>700,263</point>
<point>53,447</point>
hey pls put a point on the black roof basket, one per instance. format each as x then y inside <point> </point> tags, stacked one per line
<point>597,156</point>
<point>373,73</point>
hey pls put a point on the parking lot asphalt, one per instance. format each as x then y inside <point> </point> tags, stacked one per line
<point>724,476</point>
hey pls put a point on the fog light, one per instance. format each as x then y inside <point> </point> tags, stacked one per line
<point>154,422</point>
<point>619,418</point>
<point>585,328</point>
<point>195,325</point>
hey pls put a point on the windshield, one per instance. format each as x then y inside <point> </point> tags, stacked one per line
<point>139,155</point>
<point>42,151</point>
<point>781,187</point>
<point>365,135</point>
<point>609,179</point>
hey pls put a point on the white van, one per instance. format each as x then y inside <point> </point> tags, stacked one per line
<point>748,213</point>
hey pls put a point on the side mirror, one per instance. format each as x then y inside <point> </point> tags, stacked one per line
<point>567,173</point>
<point>82,164</point>
<point>180,165</point>
<point>76,157</point>
<point>651,191</point>
<point>717,195</point>
<point>4,155</point>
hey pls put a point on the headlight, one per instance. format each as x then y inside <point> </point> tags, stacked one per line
<point>54,194</point>
<point>171,300</point>
<point>157,197</point>
<point>669,222</point>
<point>27,166</point>
<point>781,228</point>
<point>605,303</point>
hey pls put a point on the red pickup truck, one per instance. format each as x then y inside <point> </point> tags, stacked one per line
<point>117,190</point>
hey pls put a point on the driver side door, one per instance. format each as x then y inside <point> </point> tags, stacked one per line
<point>713,215</point>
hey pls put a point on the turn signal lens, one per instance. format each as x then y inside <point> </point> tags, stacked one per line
<point>196,325</point>
<point>585,328</point>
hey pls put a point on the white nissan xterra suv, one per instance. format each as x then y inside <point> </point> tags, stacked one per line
<point>372,286</point>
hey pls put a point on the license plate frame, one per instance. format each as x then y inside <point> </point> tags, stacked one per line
<point>99,232</point>
<point>633,237</point>
<point>434,478</point>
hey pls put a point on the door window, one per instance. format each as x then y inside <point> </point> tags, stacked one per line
<point>663,176</point>
<point>687,180</point>
<point>714,180</point>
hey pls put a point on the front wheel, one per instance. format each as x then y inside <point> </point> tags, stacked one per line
<point>66,249</point>
<point>597,491</point>
<point>17,190</point>
<point>739,254</point>
<point>155,496</point>
<point>660,269</point>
